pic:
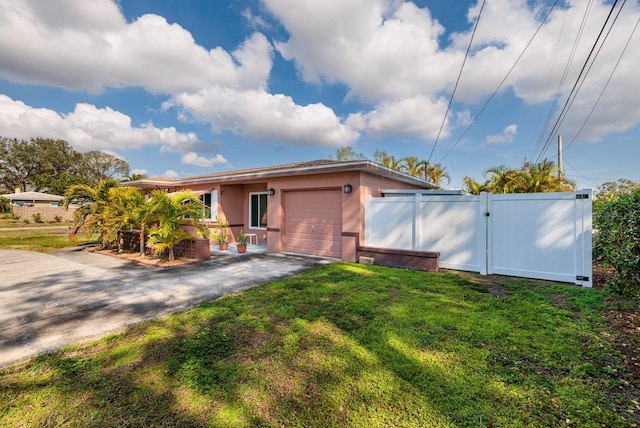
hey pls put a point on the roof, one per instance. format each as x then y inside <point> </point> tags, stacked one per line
<point>32,196</point>
<point>322,166</point>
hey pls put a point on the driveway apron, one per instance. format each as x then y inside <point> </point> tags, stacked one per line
<point>51,301</point>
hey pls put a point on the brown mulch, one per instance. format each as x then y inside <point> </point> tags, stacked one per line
<point>147,260</point>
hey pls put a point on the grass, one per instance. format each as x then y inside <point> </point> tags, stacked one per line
<point>41,240</point>
<point>340,345</point>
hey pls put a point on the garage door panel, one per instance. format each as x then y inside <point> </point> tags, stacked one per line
<point>313,222</point>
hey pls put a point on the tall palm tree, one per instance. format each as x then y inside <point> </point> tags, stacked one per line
<point>500,179</point>
<point>92,209</point>
<point>184,208</point>
<point>473,187</point>
<point>435,173</point>
<point>412,165</point>
<point>383,158</point>
<point>540,177</point>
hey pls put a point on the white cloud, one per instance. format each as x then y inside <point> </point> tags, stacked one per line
<point>138,171</point>
<point>71,45</point>
<point>417,116</point>
<point>389,51</point>
<point>260,115</point>
<point>507,135</point>
<point>170,174</point>
<point>192,158</point>
<point>85,128</point>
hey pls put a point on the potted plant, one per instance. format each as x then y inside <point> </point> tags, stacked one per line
<point>241,242</point>
<point>221,234</point>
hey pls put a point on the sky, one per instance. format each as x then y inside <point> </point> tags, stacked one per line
<point>180,88</point>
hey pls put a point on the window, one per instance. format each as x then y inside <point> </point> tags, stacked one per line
<point>258,210</point>
<point>210,202</point>
<point>54,204</point>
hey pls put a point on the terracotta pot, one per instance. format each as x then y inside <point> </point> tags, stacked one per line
<point>223,246</point>
<point>242,248</point>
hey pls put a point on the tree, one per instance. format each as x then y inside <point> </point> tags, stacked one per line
<point>128,209</point>
<point>613,189</point>
<point>530,178</point>
<point>348,154</point>
<point>133,177</point>
<point>473,187</point>
<point>184,208</point>
<point>383,158</point>
<point>540,177</point>
<point>19,164</point>
<point>435,173</point>
<point>412,165</point>
<point>617,240</point>
<point>5,205</point>
<point>92,212</point>
<point>97,166</point>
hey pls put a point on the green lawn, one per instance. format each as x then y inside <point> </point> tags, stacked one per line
<point>342,345</point>
<point>42,240</point>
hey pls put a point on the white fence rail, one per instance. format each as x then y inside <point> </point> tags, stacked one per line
<point>535,235</point>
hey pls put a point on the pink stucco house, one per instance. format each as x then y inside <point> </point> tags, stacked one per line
<point>314,208</point>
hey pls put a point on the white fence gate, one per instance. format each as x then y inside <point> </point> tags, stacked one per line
<point>533,235</point>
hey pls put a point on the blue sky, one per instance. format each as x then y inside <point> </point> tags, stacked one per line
<point>180,88</point>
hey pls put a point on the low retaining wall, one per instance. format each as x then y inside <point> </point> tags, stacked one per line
<point>194,248</point>
<point>409,259</point>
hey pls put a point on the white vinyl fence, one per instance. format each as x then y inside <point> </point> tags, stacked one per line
<point>534,235</point>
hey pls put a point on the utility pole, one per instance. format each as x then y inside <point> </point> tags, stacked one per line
<point>559,156</point>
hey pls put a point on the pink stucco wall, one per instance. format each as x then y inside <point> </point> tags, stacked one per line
<point>234,204</point>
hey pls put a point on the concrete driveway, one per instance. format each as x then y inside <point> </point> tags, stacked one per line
<point>50,301</point>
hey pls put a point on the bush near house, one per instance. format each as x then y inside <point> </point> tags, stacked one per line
<point>617,240</point>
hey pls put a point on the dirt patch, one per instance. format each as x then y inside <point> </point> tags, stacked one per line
<point>601,275</point>
<point>625,326</point>
<point>146,260</point>
<point>498,291</point>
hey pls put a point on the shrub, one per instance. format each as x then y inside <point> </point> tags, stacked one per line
<point>5,205</point>
<point>37,218</point>
<point>617,240</point>
<point>26,221</point>
<point>57,219</point>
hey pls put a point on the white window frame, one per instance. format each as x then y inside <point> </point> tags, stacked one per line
<point>251,194</point>
<point>214,204</point>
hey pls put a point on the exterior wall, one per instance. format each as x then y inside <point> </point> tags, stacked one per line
<point>234,205</point>
<point>46,212</point>
<point>363,184</point>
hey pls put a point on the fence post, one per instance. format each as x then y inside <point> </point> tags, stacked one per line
<point>417,214</point>
<point>584,244</point>
<point>483,226</point>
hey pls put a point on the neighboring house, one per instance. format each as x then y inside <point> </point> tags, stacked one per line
<point>34,199</point>
<point>314,208</point>
<point>49,207</point>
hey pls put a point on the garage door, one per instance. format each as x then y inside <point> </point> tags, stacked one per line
<point>313,222</point>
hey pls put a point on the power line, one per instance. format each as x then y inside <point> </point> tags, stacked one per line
<point>576,86</point>
<point>608,80</point>
<point>565,72</point>
<point>502,82</point>
<point>466,55</point>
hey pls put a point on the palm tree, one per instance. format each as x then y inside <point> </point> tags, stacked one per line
<point>129,210</point>
<point>500,179</point>
<point>92,208</point>
<point>133,177</point>
<point>412,165</point>
<point>435,173</point>
<point>383,158</point>
<point>184,208</point>
<point>540,177</point>
<point>473,187</point>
